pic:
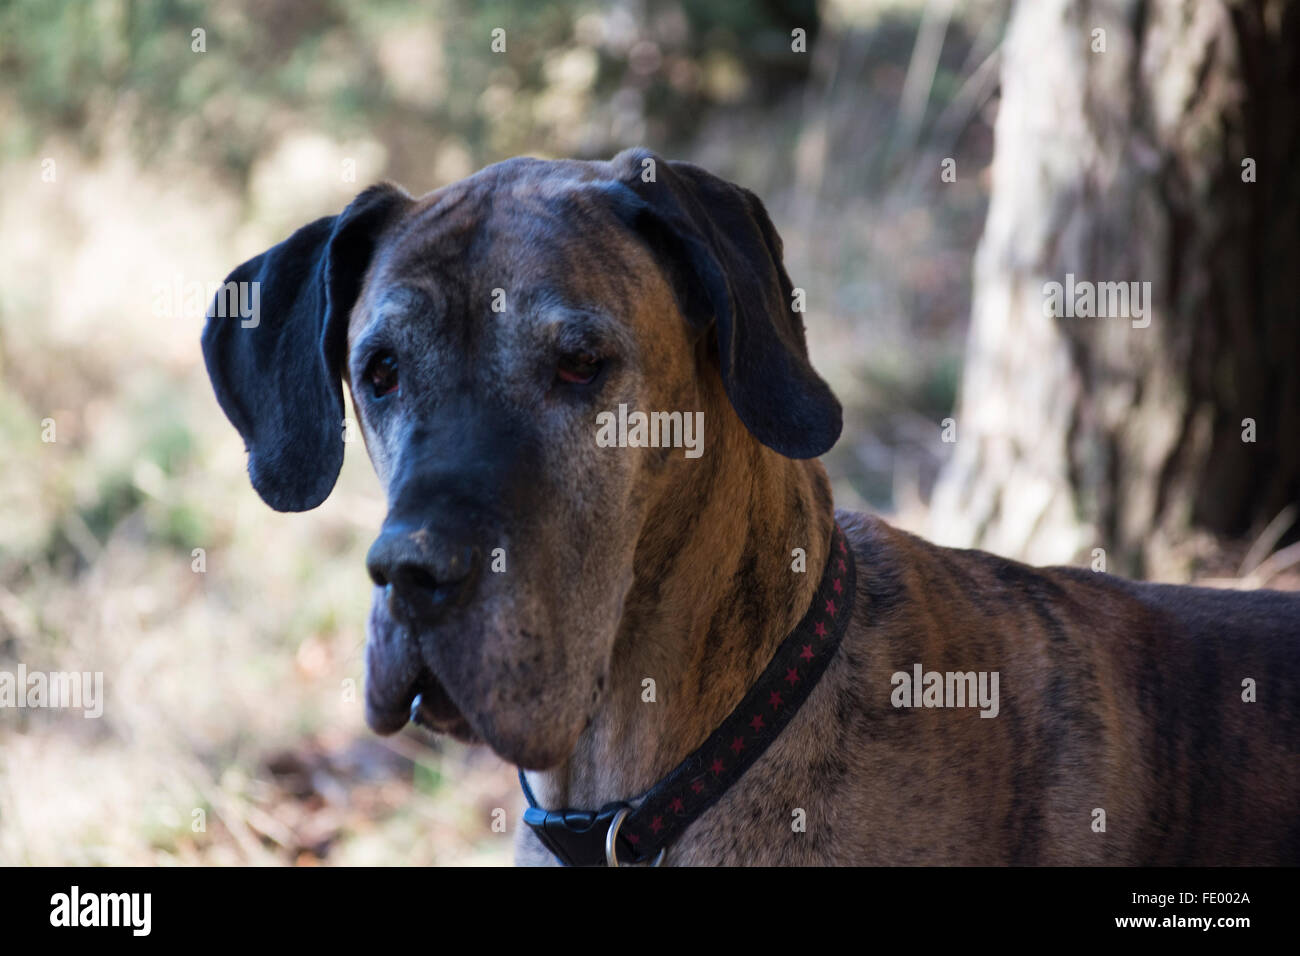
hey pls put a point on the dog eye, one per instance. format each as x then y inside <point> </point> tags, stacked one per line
<point>382,374</point>
<point>578,369</point>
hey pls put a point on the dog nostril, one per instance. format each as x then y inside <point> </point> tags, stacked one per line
<point>421,578</point>
<point>422,589</point>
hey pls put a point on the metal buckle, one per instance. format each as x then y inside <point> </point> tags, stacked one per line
<point>611,849</point>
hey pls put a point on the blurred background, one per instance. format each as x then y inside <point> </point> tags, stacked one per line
<point>930,164</point>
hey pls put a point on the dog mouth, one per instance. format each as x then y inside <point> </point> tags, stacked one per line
<point>424,702</point>
<point>432,709</point>
<point>401,687</point>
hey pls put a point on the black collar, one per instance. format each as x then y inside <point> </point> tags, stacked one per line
<point>619,833</point>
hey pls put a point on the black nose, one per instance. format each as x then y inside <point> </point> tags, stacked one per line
<point>423,574</point>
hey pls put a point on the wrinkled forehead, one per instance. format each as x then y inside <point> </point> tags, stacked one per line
<point>512,237</point>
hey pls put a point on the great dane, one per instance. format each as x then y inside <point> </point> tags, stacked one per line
<point>696,659</point>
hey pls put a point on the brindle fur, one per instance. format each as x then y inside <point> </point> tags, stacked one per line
<point>637,563</point>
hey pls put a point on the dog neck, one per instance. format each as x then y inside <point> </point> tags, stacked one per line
<point>717,589</point>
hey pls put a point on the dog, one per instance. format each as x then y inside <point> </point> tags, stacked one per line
<point>644,633</point>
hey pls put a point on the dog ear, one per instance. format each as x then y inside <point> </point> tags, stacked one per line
<point>274,346</point>
<point>724,256</point>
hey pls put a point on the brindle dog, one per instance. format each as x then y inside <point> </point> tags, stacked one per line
<point>527,580</point>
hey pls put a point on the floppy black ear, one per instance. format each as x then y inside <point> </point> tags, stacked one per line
<point>725,256</point>
<point>274,346</point>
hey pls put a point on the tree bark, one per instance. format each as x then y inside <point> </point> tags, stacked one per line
<point>1127,165</point>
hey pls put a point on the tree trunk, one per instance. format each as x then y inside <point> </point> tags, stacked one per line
<point>1126,165</point>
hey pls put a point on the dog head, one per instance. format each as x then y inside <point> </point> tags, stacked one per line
<point>482,330</point>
